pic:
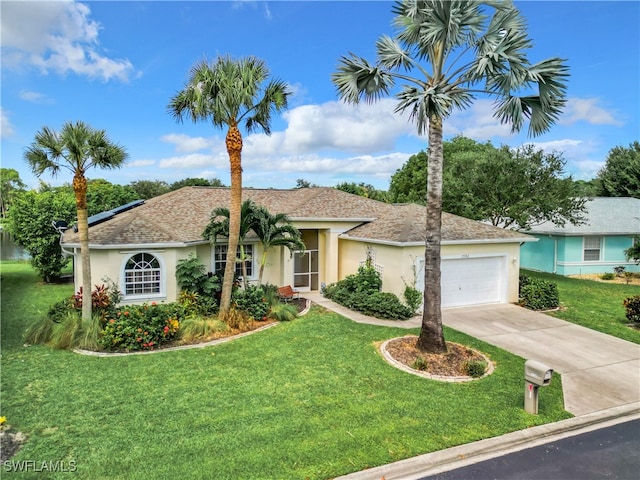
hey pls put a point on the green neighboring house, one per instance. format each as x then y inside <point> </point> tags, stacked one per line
<point>597,246</point>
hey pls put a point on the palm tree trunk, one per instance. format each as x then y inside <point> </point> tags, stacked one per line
<point>431,337</point>
<point>234,149</point>
<point>80,190</point>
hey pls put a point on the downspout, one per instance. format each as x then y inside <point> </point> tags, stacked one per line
<point>62,227</point>
<point>555,254</point>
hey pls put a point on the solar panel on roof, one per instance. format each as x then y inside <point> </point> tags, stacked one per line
<point>126,206</point>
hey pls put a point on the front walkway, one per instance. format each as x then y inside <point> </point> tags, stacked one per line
<point>598,371</point>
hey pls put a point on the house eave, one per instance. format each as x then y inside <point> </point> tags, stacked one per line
<point>133,246</point>
<point>444,242</point>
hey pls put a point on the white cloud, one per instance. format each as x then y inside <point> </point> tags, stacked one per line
<point>34,97</point>
<point>56,36</point>
<point>363,128</point>
<point>141,163</point>
<point>194,160</point>
<point>6,129</point>
<point>587,110</point>
<point>185,144</point>
<point>476,122</point>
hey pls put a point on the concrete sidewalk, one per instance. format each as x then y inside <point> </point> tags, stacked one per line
<point>600,379</point>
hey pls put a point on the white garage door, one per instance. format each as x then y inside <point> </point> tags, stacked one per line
<point>472,280</point>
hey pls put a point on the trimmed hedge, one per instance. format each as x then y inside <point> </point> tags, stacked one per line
<point>538,294</point>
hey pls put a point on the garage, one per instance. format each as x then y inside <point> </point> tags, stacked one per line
<point>471,280</point>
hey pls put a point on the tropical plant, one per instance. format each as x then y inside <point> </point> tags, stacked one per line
<point>77,148</point>
<point>218,226</point>
<point>458,52</point>
<point>228,92</point>
<point>274,231</point>
<point>633,252</point>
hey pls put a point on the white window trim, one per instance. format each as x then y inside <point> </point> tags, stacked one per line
<point>254,265</point>
<point>163,278</point>
<point>600,249</point>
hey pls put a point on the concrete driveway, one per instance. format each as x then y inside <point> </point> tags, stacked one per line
<point>598,371</point>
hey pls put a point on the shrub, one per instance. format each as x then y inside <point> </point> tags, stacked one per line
<point>475,368</point>
<point>619,270</point>
<point>419,364</point>
<point>607,276</point>
<point>141,327</point>
<point>103,299</point>
<point>412,297</point>
<point>252,301</point>
<point>192,276</point>
<point>632,306</point>
<point>283,312</point>
<point>195,328</point>
<point>67,331</point>
<point>538,294</point>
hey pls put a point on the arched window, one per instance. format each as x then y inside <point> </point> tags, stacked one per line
<point>142,275</point>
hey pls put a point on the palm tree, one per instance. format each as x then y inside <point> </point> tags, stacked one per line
<point>219,227</point>
<point>77,148</point>
<point>458,53</point>
<point>228,92</point>
<point>275,231</point>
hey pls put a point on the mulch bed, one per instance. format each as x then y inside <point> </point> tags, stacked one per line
<point>453,363</point>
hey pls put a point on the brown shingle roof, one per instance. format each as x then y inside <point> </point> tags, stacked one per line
<point>181,216</point>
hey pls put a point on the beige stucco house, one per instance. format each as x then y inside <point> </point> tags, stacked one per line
<point>138,247</point>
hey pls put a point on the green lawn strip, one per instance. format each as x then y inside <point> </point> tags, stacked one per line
<point>307,399</point>
<point>592,304</point>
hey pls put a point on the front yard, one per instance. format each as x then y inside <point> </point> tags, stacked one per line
<point>310,398</point>
<point>594,304</point>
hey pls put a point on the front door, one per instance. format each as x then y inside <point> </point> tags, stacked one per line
<point>305,274</point>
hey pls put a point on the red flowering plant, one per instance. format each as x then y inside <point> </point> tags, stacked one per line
<point>141,327</point>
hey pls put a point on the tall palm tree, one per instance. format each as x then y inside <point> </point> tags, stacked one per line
<point>219,227</point>
<point>275,231</point>
<point>458,53</point>
<point>228,92</point>
<point>77,148</point>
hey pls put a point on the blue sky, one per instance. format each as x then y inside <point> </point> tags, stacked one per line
<point>115,65</point>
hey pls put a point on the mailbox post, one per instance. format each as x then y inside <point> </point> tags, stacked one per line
<point>536,374</point>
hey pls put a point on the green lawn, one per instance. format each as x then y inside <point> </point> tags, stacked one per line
<point>592,304</point>
<point>310,398</point>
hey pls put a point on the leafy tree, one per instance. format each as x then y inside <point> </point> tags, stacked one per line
<point>274,231</point>
<point>587,188</point>
<point>364,190</point>
<point>458,52</point>
<point>30,221</point>
<point>103,195</point>
<point>227,92</point>
<point>10,184</point>
<point>147,189</point>
<point>302,183</point>
<point>77,148</point>
<point>633,252</point>
<point>620,176</point>
<point>196,182</point>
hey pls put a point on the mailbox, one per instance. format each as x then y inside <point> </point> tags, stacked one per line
<point>536,375</point>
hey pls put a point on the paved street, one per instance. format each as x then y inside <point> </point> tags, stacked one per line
<point>608,453</point>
